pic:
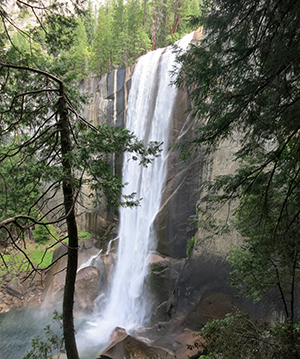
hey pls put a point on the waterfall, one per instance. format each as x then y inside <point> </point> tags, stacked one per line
<point>150,108</point>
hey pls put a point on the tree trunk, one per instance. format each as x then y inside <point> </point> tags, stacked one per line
<point>176,19</point>
<point>175,25</point>
<point>154,29</point>
<point>68,193</point>
<point>144,15</point>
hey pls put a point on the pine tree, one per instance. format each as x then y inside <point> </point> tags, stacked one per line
<point>244,80</point>
<point>139,42</point>
<point>119,31</point>
<point>101,50</point>
<point>89,21</point>
<point>79,52</point>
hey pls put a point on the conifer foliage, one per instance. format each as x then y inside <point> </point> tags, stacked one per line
<point>243,79</point>
<point>126,30</point>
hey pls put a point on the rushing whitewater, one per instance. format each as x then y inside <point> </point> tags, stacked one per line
<point>150,108</point>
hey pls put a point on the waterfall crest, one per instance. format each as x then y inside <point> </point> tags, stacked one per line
<point>150,108</point>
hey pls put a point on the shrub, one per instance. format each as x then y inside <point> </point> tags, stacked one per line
<point>190,246</point>
<point>53,344</point>
<point>237,336</point>
<point>41,234</point>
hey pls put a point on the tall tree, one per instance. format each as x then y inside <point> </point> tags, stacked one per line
<point>119,32</point>
<point>243,79</point>
<point>89,20</point>
<point>139,43</point>
<point>39,118</point>
<point>79,52</point>
<point>101,50</point>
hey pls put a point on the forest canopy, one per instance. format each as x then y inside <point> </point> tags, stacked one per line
<point>99,38</point>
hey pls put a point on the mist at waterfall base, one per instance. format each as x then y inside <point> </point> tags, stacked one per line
<point>150,107</point>
<point>18,327</point>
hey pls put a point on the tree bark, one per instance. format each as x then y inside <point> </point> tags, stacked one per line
<point>69,202</point>
<point>154,29</point>
<point>68,193</point>
<point>144,15</point>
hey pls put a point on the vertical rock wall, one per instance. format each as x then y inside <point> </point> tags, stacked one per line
<point>108,105</point>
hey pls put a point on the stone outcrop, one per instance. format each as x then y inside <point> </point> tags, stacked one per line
<point>109,95</point>
<point>86,286</point>
<point>91,280</point>
<point>164,272</point>
<point>18,292</point>
<point>124,346</point>
<point>182,189</point>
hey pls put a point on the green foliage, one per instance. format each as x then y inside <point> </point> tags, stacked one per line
<point>244,82</point>
<point>41,234</point>
<point>237,336</point>
<point>190,246</point>
<point>18,188</point>
<point>40,254</point>
<point>41,257</point>
<point>79,53</point>
<point>49,346</point>
<point>59,32</point>
<point>239,74</point>
<point>89,20</point>
<point>271,242</point>
<point>101,50</point>
<point>124,31</point>
<point>84,235</point>
<point>116,36</point>
<point>92,156</point>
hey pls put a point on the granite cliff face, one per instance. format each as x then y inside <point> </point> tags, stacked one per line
<point>108,97</point>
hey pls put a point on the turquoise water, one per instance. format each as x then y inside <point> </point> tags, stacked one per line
<point>18,327</point>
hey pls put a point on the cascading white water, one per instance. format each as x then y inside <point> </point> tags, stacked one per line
<point>150,107</point>
<point>90,262</point>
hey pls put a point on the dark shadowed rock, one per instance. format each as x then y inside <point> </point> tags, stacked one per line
<point>164,272</point>
<point>182,189</point>
<point>124,346</point>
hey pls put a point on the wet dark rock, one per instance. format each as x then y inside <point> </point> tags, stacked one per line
<point>124,346</point>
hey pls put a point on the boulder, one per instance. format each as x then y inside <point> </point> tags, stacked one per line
<point>124,346</point>
<point>86,286</point>
<point>94,275</point>
<point>16,289</point>
<point>55,280</point>
<point>109,261</point>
